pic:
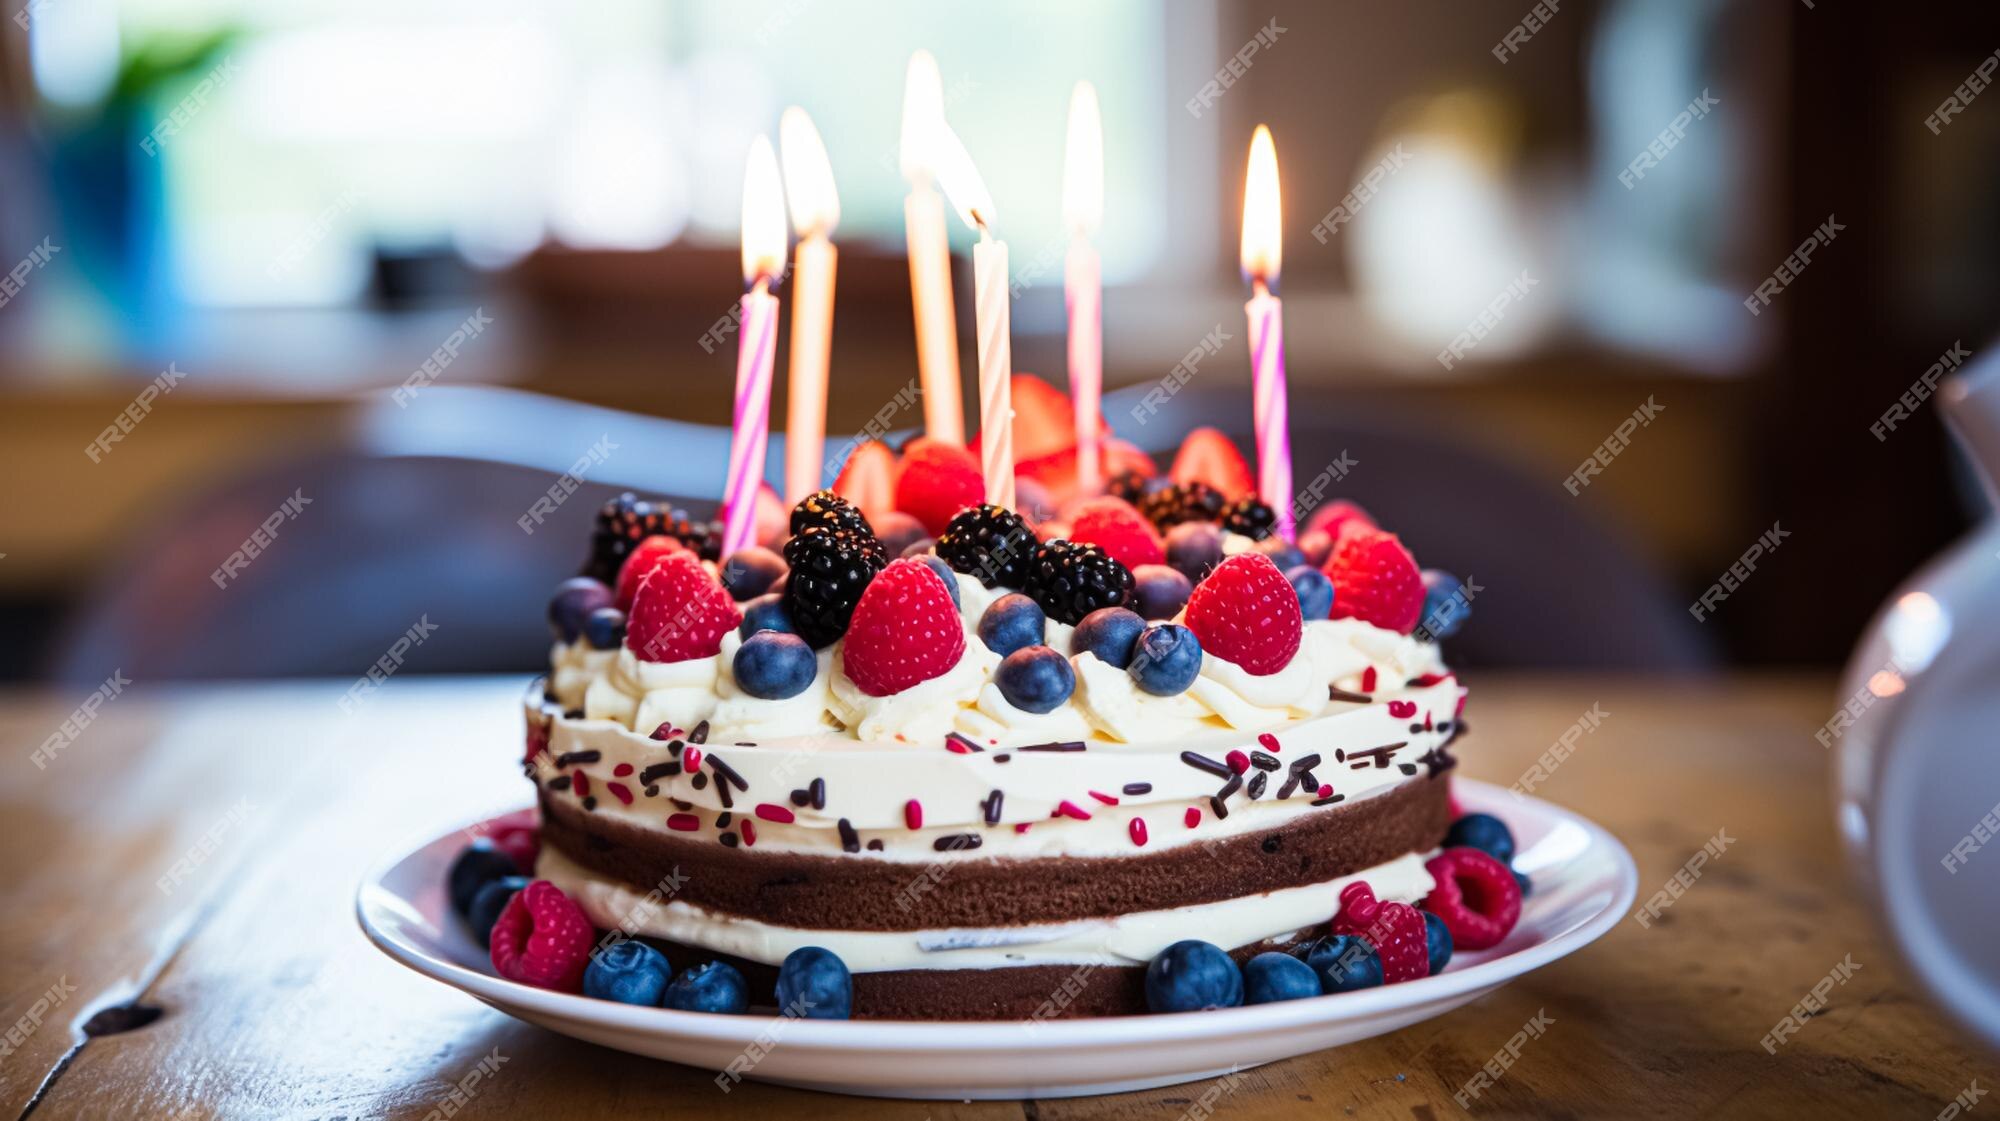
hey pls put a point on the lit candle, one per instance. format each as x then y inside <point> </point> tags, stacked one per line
<point>815,207</point>
<point>1083,208</point>
<point>1263,248</point>
<point>930,254</point>
<point>763,256</point>
<point>990,296</point>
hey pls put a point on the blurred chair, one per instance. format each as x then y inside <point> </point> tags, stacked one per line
<point>415,515</point>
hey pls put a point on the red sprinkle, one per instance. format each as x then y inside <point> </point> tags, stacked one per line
<point>1325,790</point>
<point>683,823</point>
<point>1427,720</point>
<point>619,791</point>
<point>1368,680</point>
<point>1137,827</point>
<point>1192,818</point>
<point>1402,710</point>
<point>580,783</point>
<point>1270,743</point>
<point>913,814</point>
<point>1238,761</point>
<point>1022,826</point>
<point>1067,808</point>
<point>1460,710</point>
<point>691,760</point>
<point>1429,679</point>
<point>1104,798</point>
<point>621,770</point>
<point>957,748</point>
<point>749,832</point>
<point>779,814</point>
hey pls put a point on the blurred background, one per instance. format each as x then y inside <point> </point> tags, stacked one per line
<point>277,213</point>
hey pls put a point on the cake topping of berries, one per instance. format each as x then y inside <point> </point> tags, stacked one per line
<point>639,562</point>
<point>1246,612</point>
<point>936,481</point>
<point>825,508</point>
<point>1396,930</point>
<point>1118,526</point>
<point>990,544</point>
<point>1182,502</point>
<point>1250,517</point>
<point>1375,580</point>
<point>830,568</point>
<point>1476,896</point>
<point>1071,579</point>
<point>679,613</point>
<point>905,630</point>
<point>543,939</point>
<point>627,520</point>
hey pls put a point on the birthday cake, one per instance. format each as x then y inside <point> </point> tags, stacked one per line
<point>934,759</point>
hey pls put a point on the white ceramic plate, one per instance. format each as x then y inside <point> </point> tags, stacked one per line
<point>1584,882</point>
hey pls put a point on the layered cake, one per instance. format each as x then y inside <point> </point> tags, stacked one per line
<point>996,761</point>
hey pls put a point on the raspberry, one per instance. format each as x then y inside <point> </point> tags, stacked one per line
<point>1246,612</point>
<point>905,630</point>
<point>1396,930</point>
<point>1476,896</point>
<point>521,843</point>
<point>937,480</point>
<point>1339,518</point>
<point>1376,581</point>
<point>642,560</point>
<point>543,939</point>
<point>679,613</point>
<point>1119,528</point>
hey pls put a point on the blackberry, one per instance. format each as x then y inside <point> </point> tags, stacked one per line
<point>1251,517</point>
<point>829,570</point>
<point>627,520</point>
<point>989,542</point>
<point>1128,485</point>
<point>1183,502</point>
<point>1071,579</point>
<point>825,508</point>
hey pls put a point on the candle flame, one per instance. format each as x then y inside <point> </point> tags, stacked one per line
<point>960,179</point>
<point>809,189</point>
<point>923,110</point>
<point>763,215</point>
<point>1263,215</point>
<point>1083,163</point>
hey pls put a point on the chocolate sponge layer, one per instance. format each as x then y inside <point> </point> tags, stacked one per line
<point>857,891</point>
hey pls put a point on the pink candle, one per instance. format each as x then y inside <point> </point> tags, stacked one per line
<point>1262,253</point>
<point>1083,207</point>
<point>763,256</point>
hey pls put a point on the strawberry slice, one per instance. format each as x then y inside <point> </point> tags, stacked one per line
<point>868,479</point>
<point>1208,456</point>
<point>937,480</point>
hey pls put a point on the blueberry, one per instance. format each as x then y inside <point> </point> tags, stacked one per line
<point>487,904</point>
<point>1315,590</point>
<point>1035,679</point>
<point>1194,549</point>
<point>1283,553</point>
<point>1110,633</point>
<point>1166,659</point>
<point>1445,608</point>
<point>1190,976</point>
<point>1274,976</point>
<point>715,987</point>
<point>477,865</point>
<point>604,628</point>
<point>1012,622</point>
<point>573,602</point>
<point>898,531</point>
<point>950,578</point>
<point>918,547</point>
<point>1527,885</point>
<point>1344,963</point>
<point>1484,832</point>
<point>1159,592</point>
<point>1437,942</point>
<point>813,983</point>
<point>1316,545</point>
<point>774,665</point>
<point>750,572</point>
<point>629,973</point>
<point>766,613</point>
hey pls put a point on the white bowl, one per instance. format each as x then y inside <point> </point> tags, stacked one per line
<point>1584,882</point>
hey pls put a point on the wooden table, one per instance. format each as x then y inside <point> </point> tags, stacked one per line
<point>196,850</point>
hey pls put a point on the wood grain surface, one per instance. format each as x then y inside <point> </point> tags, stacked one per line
<point>196,851</point>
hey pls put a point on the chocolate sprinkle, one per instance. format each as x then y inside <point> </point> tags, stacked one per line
<point>875,845</point>
<point>1304,763</point>
<point>818,791</point>
<point>722,820</point>
<point>1330,800</point>
<point>1137,788</point>
<point>849,839</point>
<point>729,840</point>
<point>1066,745</point>
<point>1309,780</point>
<point>571,758</point>
<point>700,733</point>
<point>1221,811</point>
<point>722,791</point>
<point>1333,694</point>
<point>658,771</point>
<point>560,782</point>
<point>953,842</point>
<point>1407,768</point>
<point>1002,757</point>
<point>590,803</point>
<point>1290,784</point>
<point>652,792</point>
<point>1415,728</point>
<point>674,748</point>
<point>1256,787</point>
<point>800,798</point>
<point>1204,763</point>
<point>992,806</point>
<point>1264,762</point>
<point>726,771</point>
<point>700,781</point>
<point>1234,784</point>
<point>680,805</point>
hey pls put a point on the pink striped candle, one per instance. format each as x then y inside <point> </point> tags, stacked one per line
<point>756,353</point>
<point>1083,287</point>
<point>1262,253</point>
